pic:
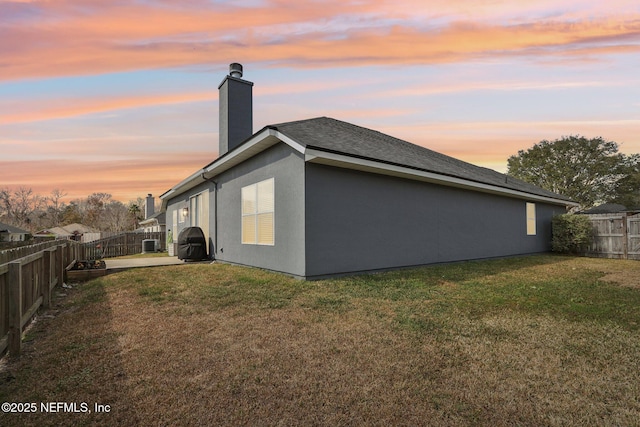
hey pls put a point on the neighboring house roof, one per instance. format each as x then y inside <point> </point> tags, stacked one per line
<point>6,228</point>
<point>333,142</point>
<point>606,208</point>
<point>159,217</point>
<point>67,230</point>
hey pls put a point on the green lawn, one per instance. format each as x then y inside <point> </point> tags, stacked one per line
<point>531,341</point>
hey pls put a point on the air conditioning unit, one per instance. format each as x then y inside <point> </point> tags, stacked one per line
<point>150,245</point>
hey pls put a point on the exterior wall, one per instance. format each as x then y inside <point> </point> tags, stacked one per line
<point>286,166</point>
<point>358,221</point>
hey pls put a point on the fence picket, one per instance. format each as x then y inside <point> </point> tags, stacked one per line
<point>9,255</point>
<point>15,307</point>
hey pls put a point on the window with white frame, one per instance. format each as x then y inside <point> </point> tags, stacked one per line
<point>258,211</point>
<point>531,219</point>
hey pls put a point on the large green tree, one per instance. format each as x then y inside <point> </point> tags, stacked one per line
<point>628,188</point>
<point>586,170</point>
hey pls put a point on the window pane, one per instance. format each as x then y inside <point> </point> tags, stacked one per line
<point>531,219</point>
<point>265,196</point>
<point>265,228</point>
<point>249,199</point>
<point>249,229</point>
<point>258,205</point>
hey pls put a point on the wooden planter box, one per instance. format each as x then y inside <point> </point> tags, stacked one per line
<point>80,271</point>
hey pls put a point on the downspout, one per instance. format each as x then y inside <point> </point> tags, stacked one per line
<point>215,214</point>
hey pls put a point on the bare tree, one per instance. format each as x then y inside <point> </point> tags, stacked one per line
<point>5,204</point>
<point>56,207</point>
<point>21,207</point>
<point>115,217</point>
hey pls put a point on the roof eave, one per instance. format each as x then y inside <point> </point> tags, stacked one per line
<point>259,142</point>
<point>341,160</point>
<point>269,136</point>
<point>185,185</point>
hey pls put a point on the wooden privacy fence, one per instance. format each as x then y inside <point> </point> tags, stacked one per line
<point>8,255</point>
<point>25,285</point>
<point>122,244</point>
<point>29,274</point>
<point>615,235</point>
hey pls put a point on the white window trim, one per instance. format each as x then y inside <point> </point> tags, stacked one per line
<point>256,214</point>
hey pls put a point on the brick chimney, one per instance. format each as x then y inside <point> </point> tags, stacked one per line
<point>236,109</point>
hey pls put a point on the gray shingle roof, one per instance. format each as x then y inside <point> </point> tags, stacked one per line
<point>6,228</point>
<point>158,216</point>
<point>331,135</point>
<point>606,208</point>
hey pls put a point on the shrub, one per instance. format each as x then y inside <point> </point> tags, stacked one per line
<point>571,233</point>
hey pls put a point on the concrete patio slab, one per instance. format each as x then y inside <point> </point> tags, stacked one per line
<point>123,264</point>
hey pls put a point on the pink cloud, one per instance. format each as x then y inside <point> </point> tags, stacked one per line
<point>119,38</point>
<point>103,36</point>
<point>125,180</point>
<point>21,111</point>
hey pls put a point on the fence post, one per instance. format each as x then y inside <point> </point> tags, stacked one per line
<point>15,308</point>
<point>60,265</point>
<point>625,231</point>
<point>49,265</point>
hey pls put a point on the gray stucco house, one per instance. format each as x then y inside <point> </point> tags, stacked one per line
<point>322,197</point>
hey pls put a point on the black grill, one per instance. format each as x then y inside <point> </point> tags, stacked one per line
<point>192,245</point>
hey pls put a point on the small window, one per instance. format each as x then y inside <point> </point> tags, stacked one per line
<point>531,219</point>
<point>258,210</point>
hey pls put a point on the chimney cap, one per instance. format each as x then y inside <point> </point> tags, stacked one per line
<point>235,70</point>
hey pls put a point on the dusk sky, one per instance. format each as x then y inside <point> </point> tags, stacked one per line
<point>120,96</point>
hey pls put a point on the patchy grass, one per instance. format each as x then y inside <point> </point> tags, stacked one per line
<point>529,341</point>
